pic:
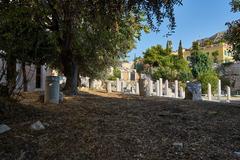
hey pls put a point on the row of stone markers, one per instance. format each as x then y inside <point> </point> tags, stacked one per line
<point>219,95</point>
<point>162,89</point>
<point>150,88</point>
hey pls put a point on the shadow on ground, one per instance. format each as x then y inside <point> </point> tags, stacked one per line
<point>117,127</point>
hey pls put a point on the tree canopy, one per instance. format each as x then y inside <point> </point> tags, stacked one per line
<point>232,36</point>
<point>166,66</point>
<point>180,49</point>
<point>88,36</point>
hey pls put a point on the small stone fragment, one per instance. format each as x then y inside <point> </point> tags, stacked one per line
<point>37,126</point>
<point>178,145</point>
<point>237,153</point>
<point>4,128</point>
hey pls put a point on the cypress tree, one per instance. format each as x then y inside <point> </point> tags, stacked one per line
<point>180,50</point>
<point>169,47</point>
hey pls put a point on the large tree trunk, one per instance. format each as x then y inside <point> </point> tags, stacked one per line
<point>24,77</point>
<point>67,70</point>
<point>74,81</point>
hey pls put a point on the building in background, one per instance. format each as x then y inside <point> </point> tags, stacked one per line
<point>215,47</point>
<point>223,52</point>
<point>128,73</point>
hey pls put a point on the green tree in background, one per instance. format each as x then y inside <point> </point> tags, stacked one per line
<point>211,77</point>
<point>232,35</point>
<point>200,63</point>
<point>202,70</point>
<point>166,66</point>
<point>23,40</point>
<point>195,47</point>
<point>116,74</point>
<point>153,55</point>
<point>215,55</point>
<point>169,47</point>
<point>71,20</point>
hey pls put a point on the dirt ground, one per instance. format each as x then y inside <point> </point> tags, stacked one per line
<point>100,126</point>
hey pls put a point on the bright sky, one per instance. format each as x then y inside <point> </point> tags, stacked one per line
<point>196,19</point>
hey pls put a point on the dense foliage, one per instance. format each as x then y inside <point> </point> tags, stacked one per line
<point>116,74</point>
<point>200,63</point>
<point>232,36</point>
<point>180,50</point>
<point>163,65</point>
<point>202,70</point>
<point>89,36</point>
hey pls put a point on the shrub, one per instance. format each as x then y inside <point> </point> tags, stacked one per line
<point>211,77</point>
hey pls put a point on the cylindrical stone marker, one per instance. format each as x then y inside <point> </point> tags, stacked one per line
<point>161,87</point>
<point>166,88</point>
<point>52,90</point>
<point>228,94</point>
<point>123,85</point>
<point>118,85</point>
<point>182,93</point>
<point>109,87</point>
<point>150,84</point>
<point>219,90</point>
<point>209,92</point>
<point>137,88</point>
<point>158,88</point>
<point>176,89</point>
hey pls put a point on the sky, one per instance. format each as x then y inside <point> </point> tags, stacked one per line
<point>195,19</point>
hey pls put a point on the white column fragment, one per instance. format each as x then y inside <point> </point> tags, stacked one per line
<point>150,87</point>
<point>137,88</point>
<point>182,93</point>
<point>176,89</point>
<point>166,88</point>
<point>161,87</point>
<point>228,94</point>
<point>109,87</point>
<point>209,92</point>
<point>158,88</point>
<point>118,85</point>
<point>219,90</point>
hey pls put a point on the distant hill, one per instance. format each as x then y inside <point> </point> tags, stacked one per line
<point>216,38</point>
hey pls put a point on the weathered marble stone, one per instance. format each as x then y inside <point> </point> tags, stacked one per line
<point>4,128</point>
<point>228,94</point>
<point>109,86</point>
<point>178,145</point>
<point>158,88</point>
<point>219,90</point>
<point>137,88</point>
<point>209,92</point>
<point>143,87</point>
<point>161,87</point>
<point>37,126</point>
<point>194,91</point>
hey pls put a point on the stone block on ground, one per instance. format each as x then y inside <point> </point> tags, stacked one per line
<point>237,154</point>
<point>4,128</point>
<point>37,126</point>
<point>178,145</point>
